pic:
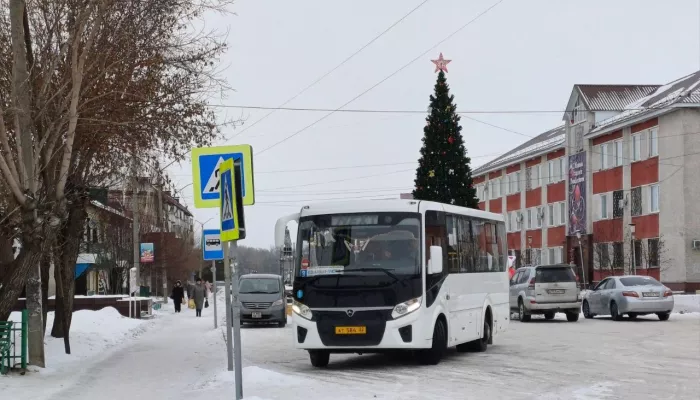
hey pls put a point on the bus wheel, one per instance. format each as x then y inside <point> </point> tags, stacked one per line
<point>433,355</point>
<point>319,358</point>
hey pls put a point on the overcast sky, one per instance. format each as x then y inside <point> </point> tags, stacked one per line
<point>521,55</point>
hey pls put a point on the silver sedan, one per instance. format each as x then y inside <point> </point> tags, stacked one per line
<point>630,295</point>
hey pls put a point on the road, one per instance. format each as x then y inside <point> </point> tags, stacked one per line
<point>588,359</point>
<point>183,357</point>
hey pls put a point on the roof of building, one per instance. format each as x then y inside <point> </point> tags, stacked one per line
<point>551,140</point>
<point>168,198</point>
<point>612,97</point>
<point>683,91</point>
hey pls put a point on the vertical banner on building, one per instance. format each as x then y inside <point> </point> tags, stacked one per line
<point>147,253</point>
<point>577,193</point>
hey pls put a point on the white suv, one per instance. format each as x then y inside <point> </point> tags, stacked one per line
<point>545,289</point>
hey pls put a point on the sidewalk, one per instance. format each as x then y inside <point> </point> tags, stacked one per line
<point>168,360</point>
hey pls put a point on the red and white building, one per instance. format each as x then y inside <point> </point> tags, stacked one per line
<point>622,172</point>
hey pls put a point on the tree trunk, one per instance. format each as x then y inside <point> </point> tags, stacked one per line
<point>68,241</point>
<point>45,277</point>
<point>15,277</point>
<point>36,313</point>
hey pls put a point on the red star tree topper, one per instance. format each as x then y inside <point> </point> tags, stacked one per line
<point>441,63</point>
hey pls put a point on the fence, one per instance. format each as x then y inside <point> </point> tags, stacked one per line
<point>13,343</point>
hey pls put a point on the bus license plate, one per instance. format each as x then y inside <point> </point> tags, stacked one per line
<point>257,315</point>
<point>350,330</point>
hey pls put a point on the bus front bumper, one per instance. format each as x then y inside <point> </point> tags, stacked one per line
<point>400,334</point>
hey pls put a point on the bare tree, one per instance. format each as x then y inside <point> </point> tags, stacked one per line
<point>83,83</point>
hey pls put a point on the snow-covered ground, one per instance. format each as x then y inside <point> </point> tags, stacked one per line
<point>178,356</point>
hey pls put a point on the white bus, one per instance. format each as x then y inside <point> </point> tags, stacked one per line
<point>382,275</point>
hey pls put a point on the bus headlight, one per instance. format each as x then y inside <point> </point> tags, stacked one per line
<point>406,307</point>
<point>301,310</point>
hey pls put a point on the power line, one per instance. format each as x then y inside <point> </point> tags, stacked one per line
<point>388,111</point>
<point>334,69</point>
<point>327,199</point>
<point>382,81</point>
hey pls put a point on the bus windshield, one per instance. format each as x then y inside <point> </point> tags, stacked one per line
<point>339,244</point>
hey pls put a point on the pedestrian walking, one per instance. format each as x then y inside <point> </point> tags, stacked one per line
<point>178,296</point>
<point>199,292</point>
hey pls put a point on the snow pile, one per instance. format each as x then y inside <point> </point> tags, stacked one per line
<point>92,332</point>
<point>686,303</point>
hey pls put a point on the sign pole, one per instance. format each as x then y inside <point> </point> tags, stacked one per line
<point>213,273</point>
<point>237,323</point>
<point>229,321</point>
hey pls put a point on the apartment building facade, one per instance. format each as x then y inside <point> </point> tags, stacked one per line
<point>613,190</point>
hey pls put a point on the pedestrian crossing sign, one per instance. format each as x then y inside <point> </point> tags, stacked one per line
<point>206,173</point>
<point>230,229</point>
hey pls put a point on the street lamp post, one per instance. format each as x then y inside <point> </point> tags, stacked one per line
<point>633,229</point>
<point>580,249</point>
<point>529,250</point>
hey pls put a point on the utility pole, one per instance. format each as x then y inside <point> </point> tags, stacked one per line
<point>135,224</point>
<point>161,219</point>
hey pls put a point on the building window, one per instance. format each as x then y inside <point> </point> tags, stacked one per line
<point>603,255</point>
<point>603,206</point>
<point>562,213</point>
<point>529,224</point>
<point>536,176</point>
<point>618,206</point>
<point>579,112</point>
<point>556,170</point>
<point>519,221</point>
<point>540,216</point>
<point>604,153</point>
<point>653,250</point>
<point>618,255</point>
<point>653,142</point>
<point>550,214</point>
<point>618,153</point>
<point>654,203</point>
<point>638,253</point>
<point>636,195</point>
<point>636,148</point>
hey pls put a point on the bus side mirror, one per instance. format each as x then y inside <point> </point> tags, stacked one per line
<point>280,226</point>
<point>435,262</point>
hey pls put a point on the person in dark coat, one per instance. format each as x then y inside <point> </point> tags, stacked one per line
<point>178,296</point>
<point>199,292</point>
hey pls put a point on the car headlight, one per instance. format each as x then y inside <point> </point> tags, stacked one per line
<point>406,307</point>
<point>301,310</point>
<point>278,302</point>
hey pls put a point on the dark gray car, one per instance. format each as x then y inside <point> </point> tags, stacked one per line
<point>262,299</point>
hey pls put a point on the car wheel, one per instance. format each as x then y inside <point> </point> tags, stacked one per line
<point>433,355</point>
<point>549,315</point>
<point>319,358</point>
<point>522,313</point>
<point>664,316</point>
<point>587,310</point>
<point>614,312</point>
<point>572,316</point>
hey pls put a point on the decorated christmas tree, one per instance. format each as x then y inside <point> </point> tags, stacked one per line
<point>443,173</point>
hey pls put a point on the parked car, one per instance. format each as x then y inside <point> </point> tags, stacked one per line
<point>631,295</point>
<point>546,290</point>
<point>262,299</point>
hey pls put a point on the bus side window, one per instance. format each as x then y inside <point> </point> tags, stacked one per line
<point>452,250</point>
<point>435,234</point>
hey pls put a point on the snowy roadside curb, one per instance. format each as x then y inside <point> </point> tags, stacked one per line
<point>686,303</point>
<point>94,335</point>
